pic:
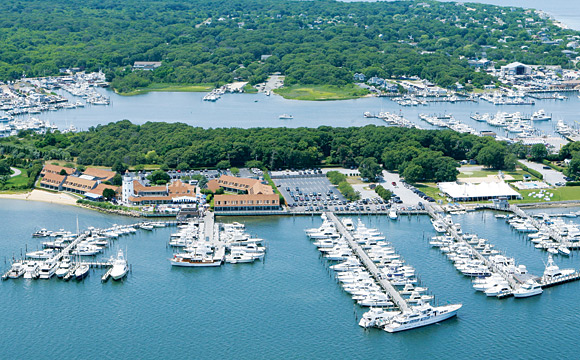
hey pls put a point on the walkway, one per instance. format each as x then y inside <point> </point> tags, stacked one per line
<point>16,172</point>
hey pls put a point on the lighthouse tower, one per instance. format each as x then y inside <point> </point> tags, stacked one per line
<point>127,187</point>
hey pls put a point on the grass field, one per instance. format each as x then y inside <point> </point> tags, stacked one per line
<point>563,193</point>
<point>430,189</point>
<point>517,174</point>
<point>321,92</point>
<point>171,88</point>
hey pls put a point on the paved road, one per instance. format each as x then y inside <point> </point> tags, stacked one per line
<point>16,172</point>
<point>551,176</point>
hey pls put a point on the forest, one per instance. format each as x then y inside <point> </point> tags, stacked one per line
<point>310,42</point>
<point>419,155</point>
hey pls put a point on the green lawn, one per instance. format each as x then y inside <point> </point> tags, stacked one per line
<point>560,194</point>
<point>18,181</point>
<point>321,92</point>
<point>517,174</point>
<point>430,189</point>
<point>171,88</point>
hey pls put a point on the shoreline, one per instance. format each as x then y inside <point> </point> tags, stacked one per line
<point>43,196</point>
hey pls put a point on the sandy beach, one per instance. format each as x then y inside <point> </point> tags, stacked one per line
<point>44,196</point>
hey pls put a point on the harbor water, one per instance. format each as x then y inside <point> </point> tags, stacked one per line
<point>288,306</point>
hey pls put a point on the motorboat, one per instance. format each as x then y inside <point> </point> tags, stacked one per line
<point>120,268</point>
<point>552,271</point>
<point>240,257</point>
<point>47,269</point>
<point>42,254</point>
<point>376,317</point>
<point>86,250</point>
<point>146,227</point>
<point>16,270</point>
<point>285,117</point>
<point>563,250</point>
<point>195,260</point>
<point>497,289</point>
<point>63,268</point>
<point>420,315</point>
<point>82,271</point>
<point>31,270</point>
<point>348,224</point>
<point>439,226</point>
<point>529,288</point>
<point>42,233</point>
<point>393,214</point>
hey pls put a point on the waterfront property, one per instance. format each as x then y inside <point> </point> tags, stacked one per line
<point>134,192</point>
<point>249,194</point>
<point>61,178</point>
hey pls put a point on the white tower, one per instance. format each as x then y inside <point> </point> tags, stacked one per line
<point>127,187</point>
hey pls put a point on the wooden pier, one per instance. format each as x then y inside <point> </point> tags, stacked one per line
<point>368,263</point>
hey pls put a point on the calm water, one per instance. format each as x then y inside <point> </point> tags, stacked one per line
<point>259,110</point>
<point>286,307</point>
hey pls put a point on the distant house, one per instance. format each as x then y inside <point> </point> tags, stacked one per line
<point>99,174</point>
<point>478,63</point>
<point>146,65</point>
<point>359,77</point>
<point>264,57</point>
<point>56,169</point>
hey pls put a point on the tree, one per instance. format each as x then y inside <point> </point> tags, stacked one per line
<point>159,177</point>
<point>4,168</point>
<point>492,156</point>
<point>109,194</point>
<point>222,165</point>
<point>235,171</point>
<point>117,180</point>
<point>63,172</point>
<point>413,173</point>
<point>369,169</point>
<point>538,152</point>
<point>119,167</point>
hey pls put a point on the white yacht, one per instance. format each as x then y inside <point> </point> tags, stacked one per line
<point>47,269</point>
<point>86,250</point>
<point>31,270</point>
<point>240,257</point>
<point>552,271</point>
<point>421,315</point>
<point>195,260</point>
<point>17,270</point>
<point>286,117</point>
<point>63,268</point>
<point>42,254</point>
<point>439,226</point>
<point>393,214</point>
<point>497,289</point>
<point>529,288</point>
<point>348,224</point>
<point>120,267</point>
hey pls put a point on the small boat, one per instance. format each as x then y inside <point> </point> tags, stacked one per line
<point>31,270</point>
<point>42,254</point>
<point>82,271</point>
<point>286,117</point>
<point>63,268</point>
<point>529,288</point>
<point>376,317</point>
<point>563,250</point>
<point>42,233</point>
<point>17,270</point>
<point>393,214</point>
<point>120,267</point>
<point>147,227</point>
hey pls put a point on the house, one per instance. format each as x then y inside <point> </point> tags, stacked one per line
<point>99,174</point>
<point>56,169</point>
<point>247,202</point>
<point>52,181</point>
<point>78,185</point>
<point>96,194</point>
<point>134,192</point>
<point>146,65</point>
<point>359,77</point>
<point>239,185</point>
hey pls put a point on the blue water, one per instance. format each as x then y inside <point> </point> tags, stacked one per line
<point>288,306</point>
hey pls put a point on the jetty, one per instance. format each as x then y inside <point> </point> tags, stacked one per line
<point>368,263</point>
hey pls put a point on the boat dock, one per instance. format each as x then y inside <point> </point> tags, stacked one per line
<point>369,264</point>
<point>510,278</point>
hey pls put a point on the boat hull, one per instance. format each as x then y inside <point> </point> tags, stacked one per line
<point>430,321</point>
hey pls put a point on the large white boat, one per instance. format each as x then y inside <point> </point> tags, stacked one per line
<point>120,267</point>
<point>194,260</point>
<point>31,270</point>
<point>529,288</point>
<point>42,254</point>
<point>393,214</point>
<point>82,271</point>
<point>47,269</point>
<point>286,117</point>
<point>552,271</point>
<point>439,226</point>
<point>421,315</point>
<point>63,268</point>
<point>17,270</point>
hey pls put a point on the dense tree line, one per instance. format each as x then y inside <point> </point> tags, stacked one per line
<point>430,155</point>
<point>311,42</point>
